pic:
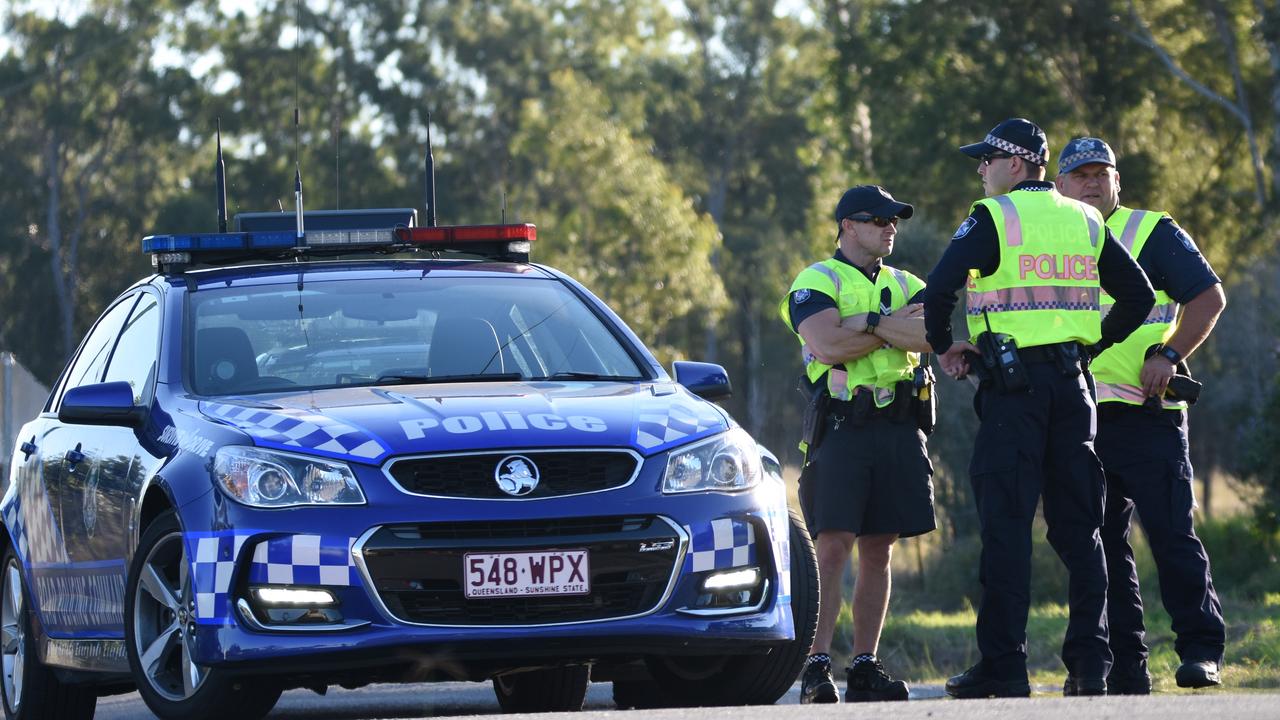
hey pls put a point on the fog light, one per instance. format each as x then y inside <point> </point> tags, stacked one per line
<point>310,597</point>
<point>732,580</point>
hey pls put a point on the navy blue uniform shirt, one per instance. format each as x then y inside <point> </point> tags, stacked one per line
<point>815,302</point>
<point>1174,264</point>
<point>977,245</point>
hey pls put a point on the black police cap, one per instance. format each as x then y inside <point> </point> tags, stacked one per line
<point>872,200</point>
<point>1015,136</point>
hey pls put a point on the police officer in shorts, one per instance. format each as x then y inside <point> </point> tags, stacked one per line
<point>1034,262</point>
<point>1142,432</point>
<point>867,479</point>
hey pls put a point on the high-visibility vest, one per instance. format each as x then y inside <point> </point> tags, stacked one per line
<point>1118,370</point>
<point>855,294</point>
<point>1046,289</point>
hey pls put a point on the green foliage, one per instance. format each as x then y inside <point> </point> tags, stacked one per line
<point>610,215</point>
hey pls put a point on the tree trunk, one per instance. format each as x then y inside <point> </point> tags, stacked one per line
<point>62,286</point>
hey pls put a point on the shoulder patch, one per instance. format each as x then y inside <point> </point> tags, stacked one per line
<point>964,228</point>
<point>800,295</point>
<point>1186,241</point>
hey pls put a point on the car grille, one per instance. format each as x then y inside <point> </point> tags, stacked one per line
<point>472,476</point>
<point>417,569</point>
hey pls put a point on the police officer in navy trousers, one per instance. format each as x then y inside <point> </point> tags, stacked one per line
<point>1142,434</point>
<point>1034,262</point>
<point>867,480</point>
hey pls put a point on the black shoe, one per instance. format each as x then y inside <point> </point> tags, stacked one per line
<point>977,682</point>
<point>817,685</point>
<point>868,682</point>
<point>1129,681</point>
<point>1083,686</point>
<point>1204,673</point>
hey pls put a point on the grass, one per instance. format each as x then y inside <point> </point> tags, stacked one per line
<point>927,646</point>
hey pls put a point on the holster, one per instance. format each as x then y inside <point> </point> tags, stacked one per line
<point>904,402</point>
<point>1067,357</point>
<point>815,418</point>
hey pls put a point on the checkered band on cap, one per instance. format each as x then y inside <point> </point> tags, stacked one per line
<point>1013,149</point>
<point>1087,156</point>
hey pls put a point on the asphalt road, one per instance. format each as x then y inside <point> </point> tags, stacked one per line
<point>456,699</point>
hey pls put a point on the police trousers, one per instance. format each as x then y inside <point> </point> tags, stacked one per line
<point>1148,470</point>
<point>1032,444</point>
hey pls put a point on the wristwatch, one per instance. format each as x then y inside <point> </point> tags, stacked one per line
<point>873,320</point>
<point>1173,356</point>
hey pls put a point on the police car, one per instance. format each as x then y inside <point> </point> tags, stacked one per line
<point>368,451</point>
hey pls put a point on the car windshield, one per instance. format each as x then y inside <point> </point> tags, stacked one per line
<point>405,329</point>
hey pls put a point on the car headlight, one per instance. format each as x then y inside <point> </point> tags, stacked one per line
<point>270,479</point>
<point>727,462</point>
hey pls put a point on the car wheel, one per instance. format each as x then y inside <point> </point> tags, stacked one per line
<point>159,626</point>
<point>558,689</point>
<point>746,679</point>
<point>30,689</point>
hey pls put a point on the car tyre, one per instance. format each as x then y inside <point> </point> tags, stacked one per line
<point>30,689</point>
<point>557,689</point>
<point>746,679</point>
<point>159,617</point>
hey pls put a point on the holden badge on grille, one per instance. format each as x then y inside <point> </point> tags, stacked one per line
<point>516,475</point>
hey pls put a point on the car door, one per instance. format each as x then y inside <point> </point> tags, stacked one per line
<point>95,505</point>
<point>69,459</point>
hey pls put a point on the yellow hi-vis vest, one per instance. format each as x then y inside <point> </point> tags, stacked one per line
<point>1046,289</point>
<point>855,295</point>
<point>1118,370</point>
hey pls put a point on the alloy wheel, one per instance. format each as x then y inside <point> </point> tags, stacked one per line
<point>164,621</point>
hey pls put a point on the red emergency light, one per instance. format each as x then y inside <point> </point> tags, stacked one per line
<point>456,234</point>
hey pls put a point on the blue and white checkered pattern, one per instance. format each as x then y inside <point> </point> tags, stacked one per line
<point>668,421</point>
<point>292,428</point>
<point>719,545</point>
<point>305,560</point>
<point>288,560</point>
<point>213,561</point>
<point>31,522</point>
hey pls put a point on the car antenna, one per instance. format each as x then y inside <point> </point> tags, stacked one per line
<point>504,207</point>
<point>299,243</point>
<point>431,179</point>
<point>220,175</point>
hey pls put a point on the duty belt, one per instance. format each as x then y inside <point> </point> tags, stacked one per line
<point>1049,353</point>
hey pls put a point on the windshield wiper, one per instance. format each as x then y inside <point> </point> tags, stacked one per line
<point>573,375</point>
<point>478,377</point>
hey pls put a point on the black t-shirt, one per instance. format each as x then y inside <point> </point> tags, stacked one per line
<point>814,302</point>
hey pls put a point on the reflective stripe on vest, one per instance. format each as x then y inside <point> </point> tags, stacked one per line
<point>876,371</point>
<point>1118,370</point>
<point>1045,289</point>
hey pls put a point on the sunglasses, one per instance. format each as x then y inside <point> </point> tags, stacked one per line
<point>986,159</point>
<point>879,221</point>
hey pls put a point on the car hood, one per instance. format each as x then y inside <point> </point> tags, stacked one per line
<point>367,424</point>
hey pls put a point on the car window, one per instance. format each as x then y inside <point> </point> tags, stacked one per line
<point>94,352</point>
<point>134,358</point>
<point>362,332</point>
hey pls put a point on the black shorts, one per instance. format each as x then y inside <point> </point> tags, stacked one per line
<point>870,480</point>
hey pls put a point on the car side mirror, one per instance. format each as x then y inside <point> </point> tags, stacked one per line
<point>706,380</point>
<point>109,403</point>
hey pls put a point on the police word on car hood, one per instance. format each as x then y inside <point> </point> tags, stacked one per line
<point>368,424</point>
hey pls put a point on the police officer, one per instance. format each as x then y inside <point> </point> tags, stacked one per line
<point>1034,261</point>
<point>1142,433</point>
<point>867,479</point>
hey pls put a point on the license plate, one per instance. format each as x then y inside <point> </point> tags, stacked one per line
<point>541,572</point>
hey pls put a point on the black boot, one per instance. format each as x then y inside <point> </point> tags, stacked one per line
<point>816,683</point>
<point>1130,680</point>
<point>868,682</point>
<point>978,682</point>
<point>1084,686</point>
<point>1198,674</point>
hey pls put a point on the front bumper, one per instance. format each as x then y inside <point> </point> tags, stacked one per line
<point>256,548</point>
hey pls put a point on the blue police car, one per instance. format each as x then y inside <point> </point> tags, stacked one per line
<point>376,452</point>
